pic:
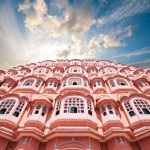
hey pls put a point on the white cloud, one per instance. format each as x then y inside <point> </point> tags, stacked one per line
<point>127,8</point>
<point>94,45</point>
<point>134,53</point>
<point>114,39</point>
<point>109,41</point>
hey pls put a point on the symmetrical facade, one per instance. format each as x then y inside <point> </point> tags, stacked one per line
<point>75,105</point>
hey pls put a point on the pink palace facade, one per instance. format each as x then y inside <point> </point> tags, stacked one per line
<point>75,105</point>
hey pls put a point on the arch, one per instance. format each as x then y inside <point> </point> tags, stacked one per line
<point>62,96</point>
<point>13,70</point>
<point>68,145</point>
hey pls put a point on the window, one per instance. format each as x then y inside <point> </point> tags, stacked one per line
<point>121,82</point>
<point>38,82</point>
<point>85,82</point>
<point>74,81</point>
<point>38,107</point>
<point>64,82</point>
<point>143,83</point>
<point>142,106</point>
<point>89,107</point>
<point>51,83</point>
<point>19,109</point>
<point>104,111</point>
<point>129,109</point>
<point>74,105</point>
<point>108,109</point>
<point>112,83</point>
<point>43,111</point>
<point>58,107</point>
<point>73,110</point>
<point>29,82</point>
<point>6,106</point>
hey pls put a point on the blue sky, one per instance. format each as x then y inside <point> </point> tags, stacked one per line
<point>36,30</point>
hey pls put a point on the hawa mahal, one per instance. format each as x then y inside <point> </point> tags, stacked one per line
<point>75,105</point>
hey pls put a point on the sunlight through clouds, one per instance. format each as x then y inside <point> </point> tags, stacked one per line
<point>63,29</point>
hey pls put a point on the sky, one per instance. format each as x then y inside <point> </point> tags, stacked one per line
<point>37,30</point>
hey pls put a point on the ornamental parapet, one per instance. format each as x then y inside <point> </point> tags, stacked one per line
<point>33,129</point>
<point>113,129</point>
<point>8,123</point>
<point>115,123</point>
<point>35,123</point>
<point>73,122</point>
<point>140,123</point>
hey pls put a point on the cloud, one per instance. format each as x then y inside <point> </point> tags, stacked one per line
<point>63,54</point>
<point>37,18</point>
<point>143,51</point>
<point>127,8</point>
<point>94,45</point>
<point>114,39</point>
<point>109,41</point>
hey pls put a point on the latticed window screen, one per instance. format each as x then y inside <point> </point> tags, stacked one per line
<point>8,83</point>
<point>43,111</point>
<point>58,108</point>
<point>29,82</point>
<point>64,82</point>
<point>89,107</point>
<point>110,70</point>
<point>75,104</point>
<point>121,82</point>
<point>51,83</point>
<point>108,109</point>
<point>38,107</point>
<point>74,81</point>
<point>143,83</point>
<point>112,83</point>
<point>6,106</point>
<point>38,82</point>
<point>129,109</point>
<point>142,106</point>
<point>19,109</point>
<point>104,111</point>
<point>85,82</point>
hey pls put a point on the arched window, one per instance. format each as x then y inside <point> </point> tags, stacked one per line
<point>43,111</point>
<point>89,107</point>
<point>112,83</point>
<point>74,104</point>
<point>142,106</point>
<point>64,82</point>
<point>108,109</point>
<point>74,81</point>
<point>51,83</point>
<point>19,109</point>
<point>142,83</point>
<point>8,83</point>
<point>38,107</point>
<point>85,82</point>
<point>29,82</point>
<point>39,110</point>
<point>58,108</point>
<point>121,82</point>
<point>6,106</point>
<point>104,111</point>
<point>38,82</point>
<point>129,109</point>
